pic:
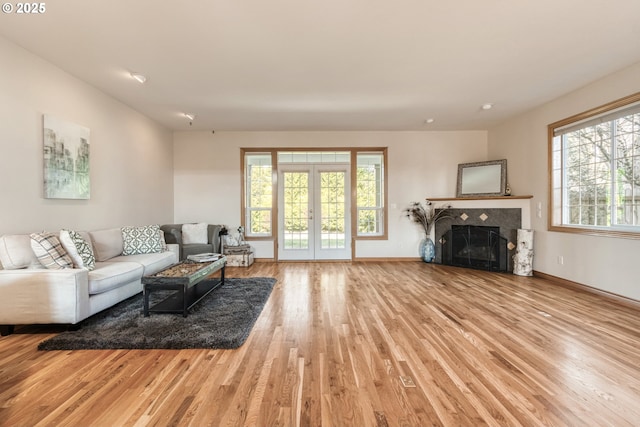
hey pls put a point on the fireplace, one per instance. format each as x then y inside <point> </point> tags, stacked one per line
<point>502,222</point>
<point>473,246</point>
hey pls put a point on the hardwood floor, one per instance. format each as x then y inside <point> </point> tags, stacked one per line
<point>362,344</point>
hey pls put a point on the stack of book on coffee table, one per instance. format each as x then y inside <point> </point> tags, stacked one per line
<point>206,257</point>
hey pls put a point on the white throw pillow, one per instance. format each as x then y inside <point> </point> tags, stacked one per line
<point>78,249</point>
<point>141,240</point>
<point>195,233</point>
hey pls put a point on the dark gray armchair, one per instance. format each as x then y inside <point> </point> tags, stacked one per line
<point>173,234</point>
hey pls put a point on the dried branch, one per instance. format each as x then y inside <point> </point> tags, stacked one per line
<point>426,215</point>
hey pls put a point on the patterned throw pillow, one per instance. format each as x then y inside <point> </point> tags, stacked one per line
<point>163,242</point>
<point>49,251</point>
<point>141,240</point>
<point>79,249</point>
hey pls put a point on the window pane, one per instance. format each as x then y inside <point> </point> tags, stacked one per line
<point>603,213</point>
<point>260,222</point>
<point>333,216</point>
<point>258,197</point>
<point>314,157</point>
<point>368,219</point>
<point>370,193</point>
<point>296,210</point>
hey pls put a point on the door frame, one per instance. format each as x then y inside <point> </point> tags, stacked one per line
<point>314,252</point>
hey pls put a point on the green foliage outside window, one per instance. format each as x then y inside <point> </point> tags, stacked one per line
<point>369,198</point>
<point>259,199</point>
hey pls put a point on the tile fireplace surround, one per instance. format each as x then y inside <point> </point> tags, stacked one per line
<point>508,214</point>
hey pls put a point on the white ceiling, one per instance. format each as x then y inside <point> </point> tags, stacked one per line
<point>333,64</point>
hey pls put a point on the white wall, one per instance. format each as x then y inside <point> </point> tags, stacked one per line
<point>131,159</point>
<point>609,264</point>
<point>421,164</point>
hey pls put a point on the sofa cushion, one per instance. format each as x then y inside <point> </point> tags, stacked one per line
<point>141,240</point>
<point>172,233</point>
<point>78,248</point>
<point>194,233</point>
<point>152,263</point>
<point>49,251</point>
<point>111,275</point>
<point>16,252</point>
<point>107,243</point>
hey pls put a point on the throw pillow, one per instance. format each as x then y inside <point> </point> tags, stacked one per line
<point>163,242</point>
<point>141,240</point>
<point>195,233</point>
<point>79,249</point>
<point>49,251</point>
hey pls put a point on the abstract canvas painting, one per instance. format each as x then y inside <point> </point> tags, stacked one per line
<point>66,160</point>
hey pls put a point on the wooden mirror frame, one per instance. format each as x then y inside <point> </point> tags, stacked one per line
<point>495,185</point>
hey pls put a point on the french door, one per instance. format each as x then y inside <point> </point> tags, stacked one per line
<point>314,212</point>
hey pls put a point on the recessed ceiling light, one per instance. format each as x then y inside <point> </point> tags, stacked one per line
<point>139,77</point>
<point>487,106</point>
<point>429,121</point>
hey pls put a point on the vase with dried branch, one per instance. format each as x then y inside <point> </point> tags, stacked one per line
<point>427,215</point>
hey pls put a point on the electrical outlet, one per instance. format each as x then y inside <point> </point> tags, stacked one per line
<point>539,210</point>
<point>560,260</point>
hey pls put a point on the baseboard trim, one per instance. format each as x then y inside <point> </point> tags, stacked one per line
<point>408,259</point>
<point>369,259</point>
<point>317,261</point>
<point>619,299</point>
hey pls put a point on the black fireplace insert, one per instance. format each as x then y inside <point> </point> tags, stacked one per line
<point>474,246</point>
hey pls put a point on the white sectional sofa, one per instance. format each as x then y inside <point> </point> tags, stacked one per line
<point>30,293</point>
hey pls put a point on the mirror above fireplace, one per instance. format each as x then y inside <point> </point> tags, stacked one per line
<point>482,179</point>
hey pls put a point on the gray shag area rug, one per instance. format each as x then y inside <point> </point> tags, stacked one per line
<point>223,319</point>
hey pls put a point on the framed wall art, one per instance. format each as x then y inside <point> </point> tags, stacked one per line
<point>66,160</point>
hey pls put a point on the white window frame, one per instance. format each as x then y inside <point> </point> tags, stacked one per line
<point>379,198</point>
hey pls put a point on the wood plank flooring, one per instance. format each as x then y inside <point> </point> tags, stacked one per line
<point>357,344</point>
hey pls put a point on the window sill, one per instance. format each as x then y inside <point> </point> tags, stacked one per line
<point>444,199</point>
<point>616,233</point>
<point>377,237</point>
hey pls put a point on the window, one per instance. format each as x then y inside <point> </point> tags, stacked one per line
<point>258,194</point>
<point>368,185</point>
<point>595,170</point>
<point>370,194</point>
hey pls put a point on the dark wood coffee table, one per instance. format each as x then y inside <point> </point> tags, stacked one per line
<point>189,279</point>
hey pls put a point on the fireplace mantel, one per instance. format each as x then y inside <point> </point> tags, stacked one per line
<point>445,199</point>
